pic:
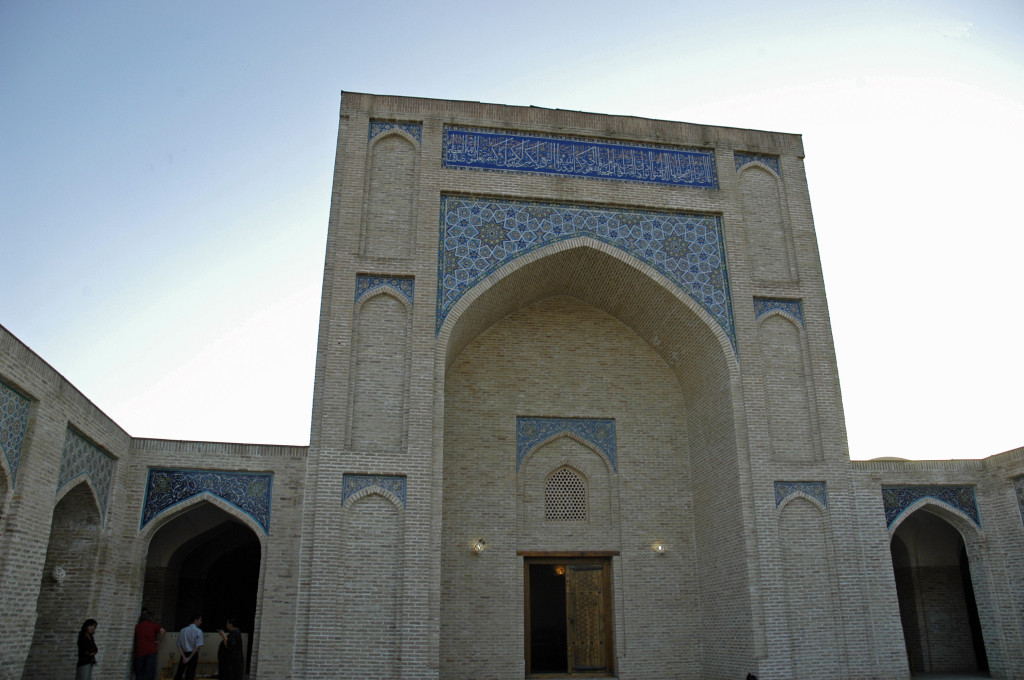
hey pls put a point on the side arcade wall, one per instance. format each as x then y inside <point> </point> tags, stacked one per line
<point>72,541</point>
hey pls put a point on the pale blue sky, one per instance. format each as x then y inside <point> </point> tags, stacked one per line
<point>165,175</point>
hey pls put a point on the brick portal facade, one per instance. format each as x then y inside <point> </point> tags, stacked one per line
<point>576,410</point>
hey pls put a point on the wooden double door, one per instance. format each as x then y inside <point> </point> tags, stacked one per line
<point>568,616</point>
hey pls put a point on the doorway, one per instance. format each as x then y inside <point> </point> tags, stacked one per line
<point>568,616</point>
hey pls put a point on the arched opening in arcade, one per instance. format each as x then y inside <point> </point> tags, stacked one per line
<point>938,610</point>
<point>204,561</point>
<point>66,590</point>
<point>583,396</point>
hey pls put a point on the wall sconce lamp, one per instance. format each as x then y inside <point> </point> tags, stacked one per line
<point>658,548</point>
<point>59,574</point>
<point>479,545</point>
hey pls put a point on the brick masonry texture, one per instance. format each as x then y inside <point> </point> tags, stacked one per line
<point>710,426</point>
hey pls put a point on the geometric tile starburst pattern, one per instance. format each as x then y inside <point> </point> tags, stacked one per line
<point>506,151</point>
<point>480,235</point>
<point>80,457</point>
<point>250,492</point>
<point>896,499</point>
<point>14,408</point>
<point>598,432</point>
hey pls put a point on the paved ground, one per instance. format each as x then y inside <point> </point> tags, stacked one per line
<point>949,676</point>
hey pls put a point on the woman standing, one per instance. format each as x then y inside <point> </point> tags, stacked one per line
<point>86,650</point>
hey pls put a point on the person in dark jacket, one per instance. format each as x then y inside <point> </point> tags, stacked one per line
<point>230,654</point>
<point>86,650</point>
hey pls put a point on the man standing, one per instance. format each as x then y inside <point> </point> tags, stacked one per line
<point>148,634</point>
<point>190,641</point>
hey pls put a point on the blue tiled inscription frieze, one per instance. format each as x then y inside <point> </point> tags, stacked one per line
<point>479,235</point>
<point>598,432</point>
<point>897,499</point>
<point>250,492</point>
<point>14,408</point>
<point>79,458</point>
<point>815,490</point>
<point>366,283</point>
<point>351,484</point>
<point>578,157</point>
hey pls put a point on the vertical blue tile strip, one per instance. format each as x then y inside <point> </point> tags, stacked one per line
<point>14,408</point>
<point>578,157</point>
<point>379,127</point>
<point>403,285</point>
<point>351,484</point>
<point>250,492</point>
<point>598,432</point>
<point>896,499</point>
<point>765,306</point>
<point>744,159</point>
<point>479,235</point>
<point>80,457</point>
<point>816,490</point>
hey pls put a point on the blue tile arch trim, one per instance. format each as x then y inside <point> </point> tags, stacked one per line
<point>765,306</point>
<point>351,484</point>
<point>1018,486</point>
<point>81,457</point>
<point>531,432</point>
<point>14,408</point>
<point>402,285</point>
<point>479,235</point>
<point>744,159</point>
<point>816,490</point>
<point>250,492</point>
<point>506,151</point>
<point>896,499</point>
<point>379,127</point>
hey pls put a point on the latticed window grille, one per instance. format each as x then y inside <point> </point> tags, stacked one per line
<point>565,497</point>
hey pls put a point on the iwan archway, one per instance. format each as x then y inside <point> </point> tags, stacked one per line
<point>204,558</point>
<point>589,415</point>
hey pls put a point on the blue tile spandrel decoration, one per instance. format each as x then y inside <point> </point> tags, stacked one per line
<point>367,284</point>
<point>351,484</point>
<point>531,432</point>
<point>896,499</point>
<point>765,306</point>
<point>816,490</point>
<point>745,159</point>
<point>505,151</point>
<point>380,127</point>
<point>81,457</point>
<point>14,408</point>
<point>480,235</point>
<point>250,492</point>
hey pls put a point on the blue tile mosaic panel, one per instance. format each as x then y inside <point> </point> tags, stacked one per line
<point>366,284</point>
<point>578,157</point>
<point>379,127</point>
<point>765,306</point>
<point>598,432</point>
<point>14,407</point>
<point>479,235</point>
<point>81,457</point>
<point>351,484</point>
<point>1018,485</point>
<point>743,159</point>
<point>815,490</point>
<point>250,492</point>
<point>896,499</point>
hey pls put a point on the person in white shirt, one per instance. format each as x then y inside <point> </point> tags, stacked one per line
<point>190,639</point>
